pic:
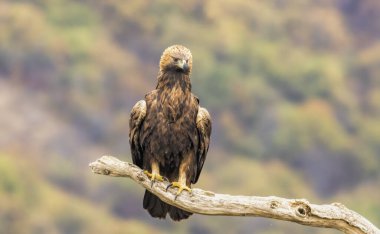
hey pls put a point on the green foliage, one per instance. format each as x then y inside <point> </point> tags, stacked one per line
<point>309,126</point>
<point>253,179</point>
<point>366,202</point>
<point>292,87</point>
<point>29,204</point>
<point>16,184</point>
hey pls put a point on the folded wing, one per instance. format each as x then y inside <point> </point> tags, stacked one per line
<point>204,132</point>
<point>137,117</point>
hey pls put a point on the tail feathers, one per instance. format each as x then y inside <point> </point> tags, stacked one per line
<point>159,209</point>
<point>177,214</point>
<point>154,205</point>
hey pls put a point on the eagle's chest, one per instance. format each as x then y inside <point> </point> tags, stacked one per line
<point>174,103</point>
<point>172,118</point>
<point>174,138</point>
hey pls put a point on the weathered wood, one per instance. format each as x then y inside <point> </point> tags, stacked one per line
<point>335,215</point>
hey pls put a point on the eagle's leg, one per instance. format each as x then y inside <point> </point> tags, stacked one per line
<point>181,183</point>
<point>155,175</point>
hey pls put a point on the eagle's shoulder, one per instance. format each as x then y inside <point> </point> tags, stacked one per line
<point>137,115</point>
<point>151,99</point>
<point>204,120</point>
<point>151,95</point>
<point>195,98</point>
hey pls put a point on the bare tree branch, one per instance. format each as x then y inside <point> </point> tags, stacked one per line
<point>335,215</point>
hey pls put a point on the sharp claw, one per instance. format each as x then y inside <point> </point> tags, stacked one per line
<point>153,177</point>
<point>180,188</point>
<point>179,191</point>
<point>167,187</point>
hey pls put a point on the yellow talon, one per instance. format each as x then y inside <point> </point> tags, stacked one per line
<point>180,187</point>
<point>154,177</point>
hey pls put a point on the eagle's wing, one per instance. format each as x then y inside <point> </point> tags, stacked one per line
<point>204,132</point>
<point>138,114</point>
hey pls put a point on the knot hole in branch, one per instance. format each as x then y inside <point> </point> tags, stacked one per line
<point>141,176</point>
<point>106,172</point>
<point>302,209</point>
<point>274,204</point>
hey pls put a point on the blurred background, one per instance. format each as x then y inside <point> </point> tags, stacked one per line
<point>293,87</point>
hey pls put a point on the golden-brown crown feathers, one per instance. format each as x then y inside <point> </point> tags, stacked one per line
<point>175,52</point>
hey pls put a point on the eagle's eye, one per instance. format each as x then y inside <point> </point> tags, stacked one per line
<point>175,59</point>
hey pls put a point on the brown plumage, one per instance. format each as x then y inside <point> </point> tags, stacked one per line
<point>169,132</point>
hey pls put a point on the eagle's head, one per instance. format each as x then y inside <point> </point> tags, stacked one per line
<point>176,58</point>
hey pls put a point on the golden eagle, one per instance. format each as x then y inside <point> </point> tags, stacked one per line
<point>169,132</point>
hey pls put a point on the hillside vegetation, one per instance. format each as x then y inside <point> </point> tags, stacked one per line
<point>293,88</point>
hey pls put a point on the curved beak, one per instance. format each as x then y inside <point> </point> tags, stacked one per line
<point>183,65</point>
